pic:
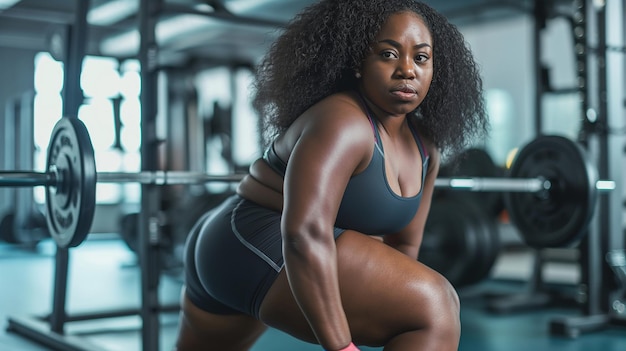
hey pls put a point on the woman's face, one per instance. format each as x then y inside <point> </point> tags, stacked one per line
<point>397,73</point>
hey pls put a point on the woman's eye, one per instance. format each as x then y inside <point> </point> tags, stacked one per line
<point>388,54</point>
<point>421,58</point>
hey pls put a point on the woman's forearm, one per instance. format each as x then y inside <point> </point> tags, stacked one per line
<point>312,274</point>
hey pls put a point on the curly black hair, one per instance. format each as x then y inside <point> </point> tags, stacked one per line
<point>320,49</point>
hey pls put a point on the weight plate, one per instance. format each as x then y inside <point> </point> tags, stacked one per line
<point>70,205</point>
<point>7,228</point>
<point>558,217</point>
<point>27,229</point>
<point>460,241</point>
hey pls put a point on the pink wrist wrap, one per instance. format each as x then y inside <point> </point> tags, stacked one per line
<point>350,347</point>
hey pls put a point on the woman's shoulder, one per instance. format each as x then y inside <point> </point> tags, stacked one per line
<point>338,122</point>
<point>340,104</point>
<point>338,118</point>
<point>338,110</point>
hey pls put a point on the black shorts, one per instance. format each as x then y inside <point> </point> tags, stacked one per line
<point>233,256</point>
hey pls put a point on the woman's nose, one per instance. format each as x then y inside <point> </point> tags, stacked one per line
<point>406,68</point>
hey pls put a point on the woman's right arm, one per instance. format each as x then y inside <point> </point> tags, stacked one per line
<point>324,157</point>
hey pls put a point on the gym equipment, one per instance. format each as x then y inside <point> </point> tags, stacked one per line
<point>71,203</point>
<point>566,210</point>
<point>560,187</point>
<point>71,178</point>
<point>180,218</point>
<point>617,261</point>
<point>28,232</point>
<point>460,241</point>
<point>473,162</point>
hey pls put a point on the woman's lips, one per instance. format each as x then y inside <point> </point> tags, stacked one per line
<point>404,91</point>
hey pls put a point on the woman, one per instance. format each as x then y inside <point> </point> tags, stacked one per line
<point>359,100</point>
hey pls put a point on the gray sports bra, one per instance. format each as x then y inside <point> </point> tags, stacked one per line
<point>369,205</point>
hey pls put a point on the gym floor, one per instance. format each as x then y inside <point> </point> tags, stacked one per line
<point>103,276</point>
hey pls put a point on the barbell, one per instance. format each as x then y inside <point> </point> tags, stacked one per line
<point>551,191</point>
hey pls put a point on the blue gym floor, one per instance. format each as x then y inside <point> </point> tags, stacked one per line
<point>104,276</point>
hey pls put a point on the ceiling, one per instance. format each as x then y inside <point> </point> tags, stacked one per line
<point>190,29</point>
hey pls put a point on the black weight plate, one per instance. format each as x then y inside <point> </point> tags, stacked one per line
<point>560,216</point>
<point>70,205</point>
<point>460,241</point>
<point>129,230</point>
<point>7,228</point>
<point>487,245</point>
<point>29,232</point>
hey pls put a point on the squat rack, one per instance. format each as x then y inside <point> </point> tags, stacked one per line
<point>598,39</point>
<point>597,29</point>
<point>602,250</point>
<point>51,332</point>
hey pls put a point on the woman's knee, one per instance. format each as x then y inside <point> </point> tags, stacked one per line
<point>422,306</point>
<point>420,297</point>
<point>441,301</point>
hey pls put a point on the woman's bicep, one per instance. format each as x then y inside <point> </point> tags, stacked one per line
<point>321,162</point>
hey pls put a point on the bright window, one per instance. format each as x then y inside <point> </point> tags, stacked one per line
<point>103,81</point>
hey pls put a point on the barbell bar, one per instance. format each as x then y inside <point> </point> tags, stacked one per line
<point>519,185</point>
<point>551,191</point>
<point>26,179</point>
<point>55,179</point>
<point>475,184</point>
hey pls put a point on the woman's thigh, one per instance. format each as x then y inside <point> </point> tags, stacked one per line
<point>384,293</point>
<point>202,330</point>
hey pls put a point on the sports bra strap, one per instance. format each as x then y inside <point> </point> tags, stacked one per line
<point>368,112</point>
<point>275,162</point>
<point>369,116</point>
<point>419,140</point>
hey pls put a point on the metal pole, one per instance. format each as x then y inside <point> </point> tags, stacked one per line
<point>9,152</point>
<point>166,177</point>
<point>220,14</point>
<point>26,179</point>
<point>615,109</point>
<point>58,317</point>
<point>72,99</point>
<point>580,33</point>
<point>477,184</point>
<point>599,272</point>
<point>75,53</point>
<point>494,184</point>
<point>540,15</point>
<point>149,231</point>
